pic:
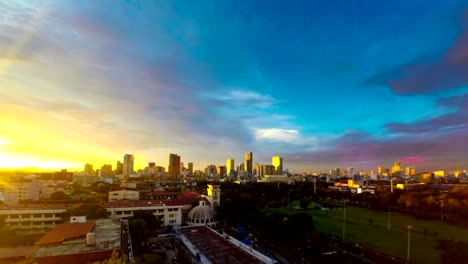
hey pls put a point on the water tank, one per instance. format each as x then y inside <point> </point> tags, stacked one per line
<point>90,239</point>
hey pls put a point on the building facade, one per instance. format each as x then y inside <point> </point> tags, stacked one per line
<point>249,162</point>
<point>174,165</point>
<point>21,189</point>
<point>128,165</point>
<point>277,162</point>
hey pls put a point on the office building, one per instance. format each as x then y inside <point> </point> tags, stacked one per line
<point>174,165</point>
<point>106,171</point>
<point>277,162</point>
<point>249,162</point>
<point>380,170</point>
<point>396,167</point>
<point>230,166</point>
<point>190,167</point>
<point>128,165</point>
<point>266,170</point>
<point>22,188</point>
<point>221,170</point>
<point>350,172</point>
<point>119,168</point>
<point>241,167</point>
<point>88,168</point>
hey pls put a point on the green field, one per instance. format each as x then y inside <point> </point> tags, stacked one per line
<point>377,236</point>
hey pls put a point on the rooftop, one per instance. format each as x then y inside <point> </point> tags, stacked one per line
<point>107,238</point>
<point>215,247</point>
<point>66,232</point>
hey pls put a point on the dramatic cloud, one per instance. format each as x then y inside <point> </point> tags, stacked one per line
<point>425,75</point>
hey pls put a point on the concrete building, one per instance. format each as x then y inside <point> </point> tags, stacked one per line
<point>277,162</point>
<point>106,171</point>
<point>266,170</point>
<point>84,178</point>
<point>214,195</point>
<point>201,215</point>
<point>167,211</point>
<point>174,165</point>
<point>230,167</point>
<point>249,162</point>
<point>22,188</point>
<point>119,168</point>
<point>350,172</point>
<point>190,167</point>
<point>128,161</point>
<point>88,168</point>
<point>50,187</point>
<point>124,195</point>
<point>221,171</point>
<point>396,167</point>
<point>380,170</point>
<point>33,216</point>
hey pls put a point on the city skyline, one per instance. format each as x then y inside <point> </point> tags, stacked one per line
<point>324,86</point>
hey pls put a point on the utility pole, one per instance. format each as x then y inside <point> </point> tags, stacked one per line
<point>391,184</point>
<point>409,242</point>
<point>344,219</point>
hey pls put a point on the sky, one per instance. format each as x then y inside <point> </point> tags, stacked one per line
<point>324,84</point>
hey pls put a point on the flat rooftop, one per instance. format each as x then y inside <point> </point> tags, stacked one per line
<point>215,247</point>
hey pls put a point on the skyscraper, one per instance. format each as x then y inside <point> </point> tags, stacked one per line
<point>380,170</point>
<point>277,161</point>
<point>128,164</point>
<point>174,165</point>
<point>190,167</point>
<point>119,168</point>
<point>350,172</point>
<point>396,167</point>
<point>88,168</point>
<point>229,166</point>
<point>249,162</point>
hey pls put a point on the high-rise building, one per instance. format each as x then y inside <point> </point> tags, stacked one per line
<point>266,170</point>
<point>249,162</point>
<point>338,172</point>
<point>350,172</point>
<point>396,167</point>
<point>22,188</point>
<point>174,165</point>
<point>106,171</point>
<point>88,168</point>
<point>230,166</point>
<point>221,170</point>
<point>241,167</point>
<point>256,168</point>
<point>277,161</point>
<point>128,161</point>
<point>380,170</point>
<point>190,167</point>
<point>119,168</point>
<point>412,171</point>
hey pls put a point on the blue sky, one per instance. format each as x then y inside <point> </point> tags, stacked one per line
<point>323,83</point>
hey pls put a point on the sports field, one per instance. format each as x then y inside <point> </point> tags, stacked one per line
<point>377,236</point>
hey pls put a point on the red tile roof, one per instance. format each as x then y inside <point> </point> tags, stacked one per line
<point>66,232</point>
<point>36,206</point>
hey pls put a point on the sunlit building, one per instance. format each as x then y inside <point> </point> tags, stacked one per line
<point>277,162</point>
<point>249,162</point>
<point>119,168</point>
<point>174,165</point>
<point>128,165</point>
<point>230,166</point>
<point>21,189</point>
<point>439,173</point>
<point>380,170</point>
<point>106,171</point>
<point>396,167</point>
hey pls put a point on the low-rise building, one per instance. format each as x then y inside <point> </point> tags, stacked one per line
<point>124,195</point>
<point>169,212</point>
<point>33,216</point>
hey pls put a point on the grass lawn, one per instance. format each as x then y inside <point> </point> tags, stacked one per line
<point>378,237</point>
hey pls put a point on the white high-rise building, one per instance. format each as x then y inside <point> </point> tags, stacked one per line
<point>128,165</point>
<point>22,188</point>
<point>350,172</point>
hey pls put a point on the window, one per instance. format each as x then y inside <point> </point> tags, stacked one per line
<point>171,215</point>
<point>172,221</point>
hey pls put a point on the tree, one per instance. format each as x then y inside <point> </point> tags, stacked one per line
<point>59,196</point>
<point>92,211</point>
<point>304,203</point>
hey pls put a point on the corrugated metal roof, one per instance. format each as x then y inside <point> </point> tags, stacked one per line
<point>66,232</point>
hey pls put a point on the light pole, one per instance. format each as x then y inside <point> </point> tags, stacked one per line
<point>409,241</point>
<point>344,219</point>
